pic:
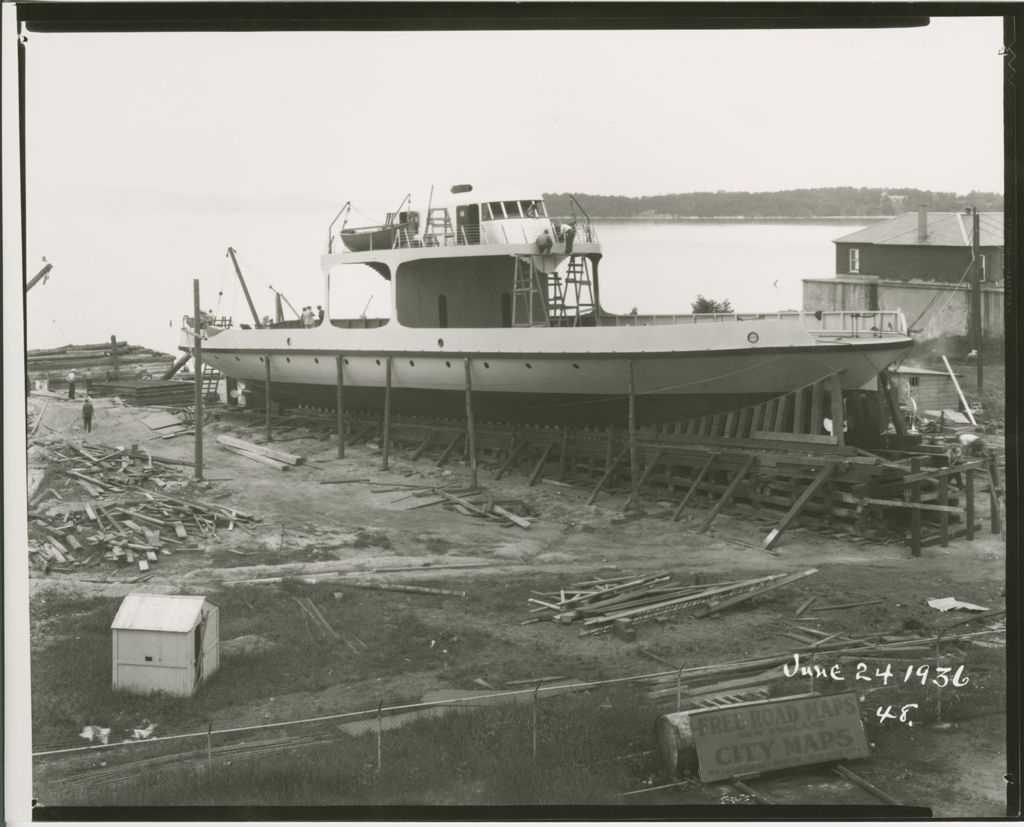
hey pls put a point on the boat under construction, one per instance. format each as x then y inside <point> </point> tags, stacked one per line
<point>496,295</point>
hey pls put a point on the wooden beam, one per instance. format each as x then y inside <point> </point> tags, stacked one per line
<point>423,445</point>
<point>944,518</point>
<point>512,454</point>
<point>817,403</point>
<point>540,463</point>
<point>780,414</point>
<point>836,401</point>
<point>799,411</point>
<point>969,505</point>
<point>799,505</point>
<point>726,496</point>
<point>386,440</point>
<point>634,458</point>
<point>606,475</point>
<point>266,358</point>
<point>646,474</point>
<point>340,403</point>
<point>693,487</point>
<point>448,450</point>
<point>470,430</point>
<point>892,401</point>
<point>197,355</point>
<point>915,514</point>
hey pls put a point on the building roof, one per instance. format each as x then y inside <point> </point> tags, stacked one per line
<point>159,612</point>
<point>945,229</point>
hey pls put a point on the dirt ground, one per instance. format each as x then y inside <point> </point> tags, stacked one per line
<point>313,529</point>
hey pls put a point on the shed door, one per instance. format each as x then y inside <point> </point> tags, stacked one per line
<point>469,223</point>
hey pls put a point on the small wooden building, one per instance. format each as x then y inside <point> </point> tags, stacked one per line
<point>165,643</point>
<point>932,390</point>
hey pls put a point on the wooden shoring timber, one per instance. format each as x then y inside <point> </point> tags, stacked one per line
<point>648,470</point>
<point>609,471</point>
<point>694,485</point>
<point>447,452</point>
<point>799,411</point>
<point>513,452</point>
<point>726,496</point>
<point>826,472</point>
<point>535,474</point>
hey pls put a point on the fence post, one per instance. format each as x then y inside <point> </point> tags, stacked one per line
<point>679,689</point>
<point>536,692</point>
<point>209,748</point>
<point>380,730</point>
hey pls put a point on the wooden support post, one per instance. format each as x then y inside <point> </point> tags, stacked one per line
<point>609,446</point>
<point>816,424</point>
<point>693,487</point>
<point>197,357</point>
<point>915,513</point>
<point>540,463</point>
<point>470,431</point>
<point>340,402</point>
<point>780,414</point>
<point>450,447</point>
<point>563,454</point>
<point>607,475</point>
<point>512,454</point>
<point>893,402</point>
<point>969,496</point>
<point>743,431</point>
<point>423,445</point>
<point>836,399</point>
<point>996,490</point>
<point>726,496</point>
<point>634,459</point>
<point>823,475</point>
<point>113,357</point>
<point>944,516</point>
<point>266,359</point>
<point>730,424</point>
<point>648,470</point>
<point>386,440</point>
<point>799,411</point>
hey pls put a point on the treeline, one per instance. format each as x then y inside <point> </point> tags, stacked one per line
<point>803,203</point>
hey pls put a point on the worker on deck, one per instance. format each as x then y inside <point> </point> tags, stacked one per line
<point>319,314</point>
<point>87,415</point>
<point>568,233</point>
<point>545,241</point>
<point>71,384</point>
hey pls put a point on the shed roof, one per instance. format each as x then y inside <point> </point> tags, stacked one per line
<point>945,229</point>
<point>159,612</point>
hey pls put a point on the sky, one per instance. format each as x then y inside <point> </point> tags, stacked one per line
<point>300,120</point>
<point>148,154</point>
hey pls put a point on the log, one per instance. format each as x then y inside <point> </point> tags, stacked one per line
<point>273,463</point>
<point>280,456</point>
<point>508,515</point>
<point>396,587</point>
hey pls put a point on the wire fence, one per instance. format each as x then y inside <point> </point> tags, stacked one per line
<point>561,743</point>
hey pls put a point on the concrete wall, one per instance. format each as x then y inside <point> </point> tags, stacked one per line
<point>947,315</point>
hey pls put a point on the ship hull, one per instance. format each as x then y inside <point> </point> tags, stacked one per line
<point>554,388</point>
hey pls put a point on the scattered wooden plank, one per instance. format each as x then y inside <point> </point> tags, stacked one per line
<point>263,450</point>
<point>397,587</point>
<point>847,606</point>
<point>804,606</point>
<point>273,463</point>
<point>508,515</point>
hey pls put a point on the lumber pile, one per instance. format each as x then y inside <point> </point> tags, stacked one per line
<point>111,507</point>
<point>95,362</point>
<point>618,603</point>
<point>145,391</point>
<point>274,457</point>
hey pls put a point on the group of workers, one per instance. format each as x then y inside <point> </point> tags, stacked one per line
<point>311,319</point>
<point>567,233</point>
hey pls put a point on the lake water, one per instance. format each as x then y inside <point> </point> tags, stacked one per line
<point>131,274</point>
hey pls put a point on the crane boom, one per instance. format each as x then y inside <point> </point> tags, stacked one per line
<point>245,289</point>
<point>40,275</point>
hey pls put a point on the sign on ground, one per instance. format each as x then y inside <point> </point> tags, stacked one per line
<point>776,734</point>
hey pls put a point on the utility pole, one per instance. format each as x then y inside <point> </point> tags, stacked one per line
<point>976,298</point>
<point>197,358</point>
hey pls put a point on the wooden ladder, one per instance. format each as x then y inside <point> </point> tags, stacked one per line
<point>529,302</point>
<point>577,279</point>
<point>438,219</point>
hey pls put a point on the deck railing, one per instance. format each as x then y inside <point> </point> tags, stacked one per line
<point>868,323</point>
<point>463,237</point>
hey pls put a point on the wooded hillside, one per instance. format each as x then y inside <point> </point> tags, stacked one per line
<point>801,203</point>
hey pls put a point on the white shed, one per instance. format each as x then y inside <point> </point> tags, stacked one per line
<point>165,643</point>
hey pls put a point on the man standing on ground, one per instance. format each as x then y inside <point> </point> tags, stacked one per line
<point>87,415</point>
<point>71,384</point>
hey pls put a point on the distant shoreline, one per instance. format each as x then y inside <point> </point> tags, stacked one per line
<point>744,219</point>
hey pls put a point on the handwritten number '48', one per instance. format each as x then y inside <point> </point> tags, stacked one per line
<point>887,714</point>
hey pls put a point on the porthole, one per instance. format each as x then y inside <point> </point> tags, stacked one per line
<point>289,341</point>
<point>237,359</point>
<point>315,359</point>
<point>577,367</point>
<point>288,359</point>
<point>447,364</point>
<point>752,338</point>
<point>487,364</point>
<point>412,364</point>
<point>440,342</point>
<point>261,360</point>
<point>378,361</point>
<point>529,366</point>
<point>346,361</point>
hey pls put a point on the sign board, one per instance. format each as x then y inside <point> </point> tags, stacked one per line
<point>776,734</point>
